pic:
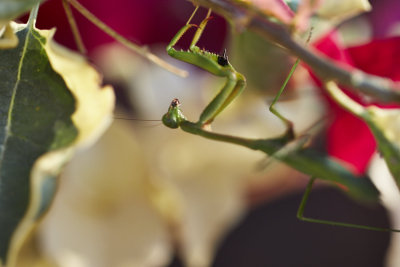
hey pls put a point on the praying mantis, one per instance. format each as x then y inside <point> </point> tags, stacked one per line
<point>285,148</point>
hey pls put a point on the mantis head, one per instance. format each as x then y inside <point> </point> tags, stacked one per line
<point>174,116</point>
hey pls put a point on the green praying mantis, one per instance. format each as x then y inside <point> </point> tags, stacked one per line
<point>285,148</point>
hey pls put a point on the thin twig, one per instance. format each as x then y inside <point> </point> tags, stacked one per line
<point>141,50</point>
<point>74,27</point>
<point>244,16</point>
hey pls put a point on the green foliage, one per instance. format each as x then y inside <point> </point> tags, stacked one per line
<point>35,117</point>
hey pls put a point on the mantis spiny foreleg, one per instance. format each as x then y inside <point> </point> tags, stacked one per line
<point>213,63</point>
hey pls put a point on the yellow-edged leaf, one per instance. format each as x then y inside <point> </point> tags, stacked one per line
<point>51,104</point>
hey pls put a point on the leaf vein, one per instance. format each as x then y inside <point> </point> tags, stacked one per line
<point>13,96</point>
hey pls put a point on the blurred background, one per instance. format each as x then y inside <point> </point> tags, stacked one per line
<point>145,195</point>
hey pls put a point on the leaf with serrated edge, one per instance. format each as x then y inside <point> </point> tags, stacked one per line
<point>45,66</point>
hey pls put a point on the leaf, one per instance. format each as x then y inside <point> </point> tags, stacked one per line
<point>10,9</point>
<point>50,104</point>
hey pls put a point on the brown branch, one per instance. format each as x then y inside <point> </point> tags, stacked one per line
<point>141,50</point>
<point>382,89</point>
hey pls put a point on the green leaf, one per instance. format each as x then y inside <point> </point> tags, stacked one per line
<point>50,104</point>
<point>10,9</point>
<point>35,117</point>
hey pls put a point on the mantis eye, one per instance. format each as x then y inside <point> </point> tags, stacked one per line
<point>223,60</point>
<point>175,103</point>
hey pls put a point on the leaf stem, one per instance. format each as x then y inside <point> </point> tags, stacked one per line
<point>33,15</point>
<point>141,50</point>
<point>343,100</point>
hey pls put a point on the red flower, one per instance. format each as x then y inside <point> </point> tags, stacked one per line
<point>142,22</point>
<point>349,138</point>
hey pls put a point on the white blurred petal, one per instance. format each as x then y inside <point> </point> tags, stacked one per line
<point>388,120</point>
<point>201,184</point>
<point>342,9</point>
<point>390,198</point>
<point>102,213</point>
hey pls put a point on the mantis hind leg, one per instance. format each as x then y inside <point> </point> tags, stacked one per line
<point>302,206</point>
<point>289,124</point>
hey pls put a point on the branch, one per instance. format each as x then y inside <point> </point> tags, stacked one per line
<point>141,50</point>
<point>382,89</point>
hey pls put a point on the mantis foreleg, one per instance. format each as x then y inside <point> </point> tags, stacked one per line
<point>232,88</point>
<point>213,63</point>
